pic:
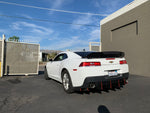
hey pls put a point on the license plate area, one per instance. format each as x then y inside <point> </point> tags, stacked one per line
<point>112,73</point>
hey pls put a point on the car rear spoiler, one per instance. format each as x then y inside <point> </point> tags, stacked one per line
<point>106,54</point>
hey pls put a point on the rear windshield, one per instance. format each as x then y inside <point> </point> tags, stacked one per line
<point>107,54</point>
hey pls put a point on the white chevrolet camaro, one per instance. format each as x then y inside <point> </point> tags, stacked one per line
<point>87,70</point>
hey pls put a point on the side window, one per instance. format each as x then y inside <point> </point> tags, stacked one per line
<point>65,56</point>
<point>60,57</point>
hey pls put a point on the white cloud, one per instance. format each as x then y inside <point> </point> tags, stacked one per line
<point>86,19</point>
<point>96,3</point>
<point>15,26</point>
<point>110,5</point>
<point>31,32</point>
<point>75,37</point>
<point>107,6</point>
<point>58,4</point>
<point>94,35</point>
<point>55,36</point>
<point>26,16</point>
<point>67,43</point>
<point>31,39</point>
<point>3,31</point>
<point>36,29</point>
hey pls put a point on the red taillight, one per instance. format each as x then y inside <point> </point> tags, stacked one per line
<point>90,64</point>
<point>123,62</point>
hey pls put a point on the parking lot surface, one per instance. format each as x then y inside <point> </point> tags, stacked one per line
<point>34,94</point>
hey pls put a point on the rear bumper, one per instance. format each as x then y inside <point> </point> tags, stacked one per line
<point>104,81</point>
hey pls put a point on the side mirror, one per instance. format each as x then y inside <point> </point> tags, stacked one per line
<point>50,60</point>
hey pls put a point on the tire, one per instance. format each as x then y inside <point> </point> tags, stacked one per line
<point>66,82</point>
<point>45,74</point>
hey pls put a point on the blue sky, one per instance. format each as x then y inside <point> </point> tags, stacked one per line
<point>54,36</point>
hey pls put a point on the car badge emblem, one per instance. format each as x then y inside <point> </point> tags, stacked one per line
<point>111,62</point>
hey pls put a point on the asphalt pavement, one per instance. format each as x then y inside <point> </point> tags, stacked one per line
<point>34,94</point>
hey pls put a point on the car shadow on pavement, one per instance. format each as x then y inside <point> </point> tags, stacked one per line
<point>106,90</point>
<point>41,72</point>
<point>102,109</point>
<point>87,92</point>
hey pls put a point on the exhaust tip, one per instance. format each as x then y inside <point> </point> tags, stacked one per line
<point>126,81</point>
<point>92,85</point>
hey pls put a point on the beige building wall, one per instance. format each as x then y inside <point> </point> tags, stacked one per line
<point>128,30</point>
